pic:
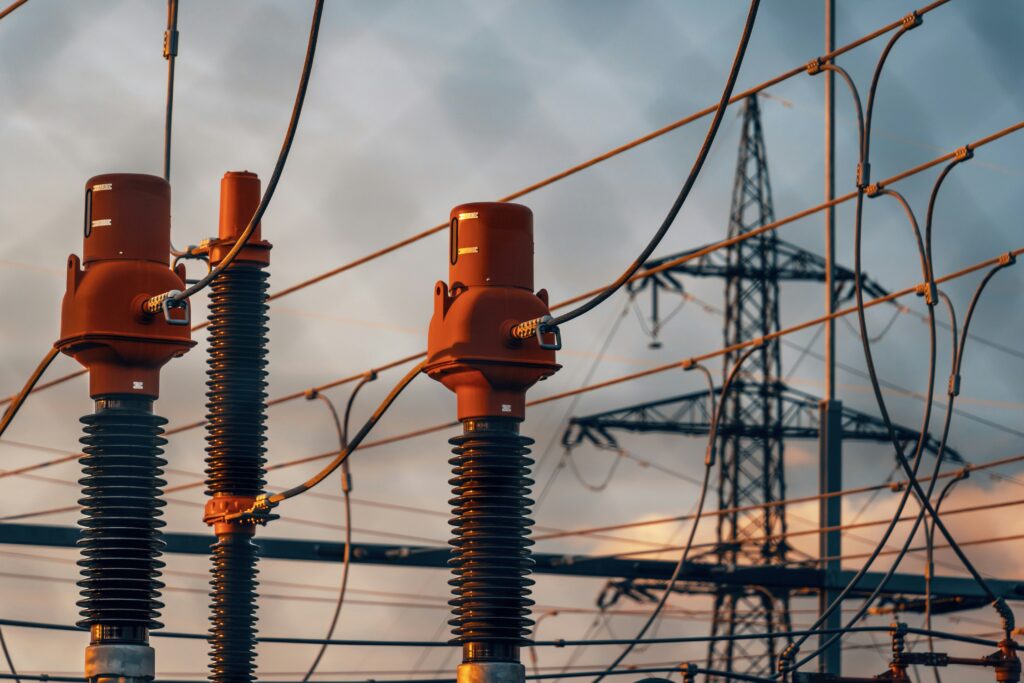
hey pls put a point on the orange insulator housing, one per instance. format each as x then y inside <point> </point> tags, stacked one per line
<point>239,199</point>
<point>470,348</point>
<point>125,262</point>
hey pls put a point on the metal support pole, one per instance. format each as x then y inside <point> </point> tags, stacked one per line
<point>830,516</point>
<point>830,444</point>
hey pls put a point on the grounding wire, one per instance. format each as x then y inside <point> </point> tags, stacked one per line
<point>709,462</point>
<point>153,304</point>
<point>684,192</point>
<point>346,487</point>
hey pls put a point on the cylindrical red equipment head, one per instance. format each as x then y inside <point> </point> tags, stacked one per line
<point>239,199</point>
<point>491,244</point>
<point>126,247</point>
<point>470,349</point>
<point>127,217</point>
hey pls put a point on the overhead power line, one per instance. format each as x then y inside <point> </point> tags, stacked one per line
<point>593,162</point>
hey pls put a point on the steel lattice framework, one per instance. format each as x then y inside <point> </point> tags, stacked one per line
<point>760,412</point>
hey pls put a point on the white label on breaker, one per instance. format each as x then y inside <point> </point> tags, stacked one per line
<point>469,215</point>
<point>103,186</point>
<point>101,223</point>
<point>506,407</point>
<point>137,385</point>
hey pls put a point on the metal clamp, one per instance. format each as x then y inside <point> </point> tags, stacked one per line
<point>170,302</point>
<point>542,329</point>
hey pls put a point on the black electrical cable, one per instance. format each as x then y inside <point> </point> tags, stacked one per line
<point>924,498</point>
<point>153,304</point>
<point>698,163</point>
<point>19,400</point>
<point>7,654</point>
<point>709,462</point>
<point>560,643</point>
<point>10,8</point>
<point>265,503</point>
<point>170,52</point>
<point>346,491</point>
<point>929,534</point>
<point>863,173</point>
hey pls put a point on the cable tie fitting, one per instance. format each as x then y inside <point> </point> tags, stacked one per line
<point>689,671</point>
<point>964,153</point>
<point>954,385</point>
<point>311,393</point>
<point>863,174</point>
<point>756,343</point>
<point>874,189</point>
<point>688,364</point>
<point>170,44</point>
<point>371,376</point>
<point>912,20</point>
<point>929,291</point>
<point>1007,259</point>
<point>814,66</point>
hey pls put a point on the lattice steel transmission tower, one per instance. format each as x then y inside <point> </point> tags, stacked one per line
<point>751,470</point>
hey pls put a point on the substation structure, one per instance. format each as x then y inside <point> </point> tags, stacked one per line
<point>759,413</point>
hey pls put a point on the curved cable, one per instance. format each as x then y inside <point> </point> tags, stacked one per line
<point>929,571</point>
<point>263,503</point>
<point>687,185</point>
<point>7,653</point>
<point>346,489</point>
<point>709,463</point>
<point>153,305</point>
<point>923,498</point>
<point>19,400</point>
<point>864,123</point>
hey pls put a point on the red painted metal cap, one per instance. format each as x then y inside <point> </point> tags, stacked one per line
<point>126,247</point>
<point>127,216</point>
<point>469,347</point>
<point>491,244</point>
<point>239,199</point>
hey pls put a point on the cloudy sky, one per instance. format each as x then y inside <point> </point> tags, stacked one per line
<point>414,107</point>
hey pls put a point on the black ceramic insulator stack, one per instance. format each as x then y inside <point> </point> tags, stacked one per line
<point>235,458</point>
<point>491,558</point>
<point>120,542</point>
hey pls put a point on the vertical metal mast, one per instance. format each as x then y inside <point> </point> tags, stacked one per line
<point>830,438</point>
<point>751,462</point>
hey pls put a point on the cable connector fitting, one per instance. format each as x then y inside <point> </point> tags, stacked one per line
<point>863,174</point>
<point>170,44</point>
<point>954,385</point>
<point>874,189</point>
<point>538,327</point>
<point>1007,259</point>
<point>912,20</point>
<point>814,67</point>
<point>964,153</point>
<point>688,364</point>
<point>929,291</point>
<point>689,671</point>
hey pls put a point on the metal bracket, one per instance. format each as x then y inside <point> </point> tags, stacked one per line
<point>170,303</point>
<point>542,329</point>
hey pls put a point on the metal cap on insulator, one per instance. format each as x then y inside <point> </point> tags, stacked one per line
<point>126,247</point>
<point>491,244</point>
<point>490,289</point>
<point>127,217</point>
<point>239,199</point>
